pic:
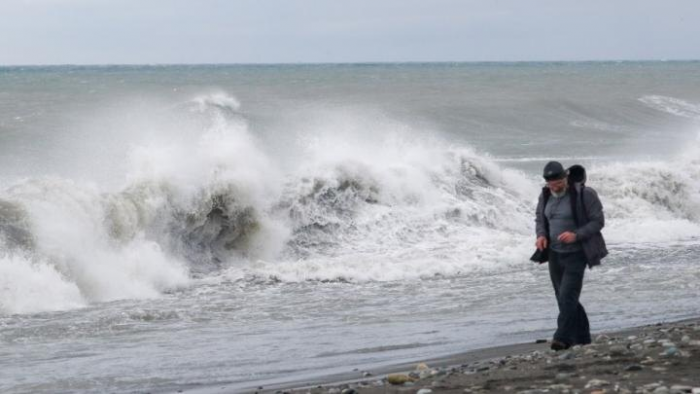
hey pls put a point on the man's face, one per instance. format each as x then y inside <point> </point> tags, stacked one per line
<point>557,185</point>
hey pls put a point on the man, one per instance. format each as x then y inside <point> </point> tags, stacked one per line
<point>568,220</point>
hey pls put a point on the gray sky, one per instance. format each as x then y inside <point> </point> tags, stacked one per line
<point>310,31</point>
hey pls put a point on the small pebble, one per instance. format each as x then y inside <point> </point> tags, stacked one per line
<point>397,379</point>
<point>671,351</point>
<point>567,356</point>
<point>595,383</point>
<point>560,387</point>
<point>602,338</point>
<point>678,388</point>
<point>617,351</point>
<point>422,367</point>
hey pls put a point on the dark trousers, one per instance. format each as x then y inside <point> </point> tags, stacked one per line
<point>566,271</point>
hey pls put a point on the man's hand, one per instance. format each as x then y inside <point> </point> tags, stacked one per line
<point>567,237</point>
<point>541,243</point>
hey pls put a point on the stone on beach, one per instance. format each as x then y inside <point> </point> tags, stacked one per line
<point>398,379</point>
<point>602,338</point>
<point>597,383</point>
<point>677,388</point>
<point>671,351</point>
<point>422,367</point>
<point>617,350</point>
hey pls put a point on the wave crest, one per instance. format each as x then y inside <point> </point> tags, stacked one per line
<point>672,106</point>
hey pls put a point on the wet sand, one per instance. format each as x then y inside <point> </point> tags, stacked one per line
<point>660,358</point>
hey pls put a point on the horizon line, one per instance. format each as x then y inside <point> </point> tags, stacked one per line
<point>409,62</point>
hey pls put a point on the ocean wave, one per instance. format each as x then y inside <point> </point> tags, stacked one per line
<point>600,126</point>
<point>545,159</point>
<point>650,201</point>
<point>14,227</point>
<point>672,105</point>
<point>73,253</point>
<point>370,201</point>
<point>217,101</point>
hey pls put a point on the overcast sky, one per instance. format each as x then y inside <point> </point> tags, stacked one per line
<point>311,31</point>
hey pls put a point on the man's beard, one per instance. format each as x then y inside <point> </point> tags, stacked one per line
<point>559,194</point>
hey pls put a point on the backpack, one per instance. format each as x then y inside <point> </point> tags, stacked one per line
<point>577,174</point>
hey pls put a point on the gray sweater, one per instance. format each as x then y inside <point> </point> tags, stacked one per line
<point>561,219</point>
<point>590,218</point>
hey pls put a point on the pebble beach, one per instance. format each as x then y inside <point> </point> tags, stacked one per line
<point>663,358</point>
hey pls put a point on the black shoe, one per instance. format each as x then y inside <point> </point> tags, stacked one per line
<point>558,345</point>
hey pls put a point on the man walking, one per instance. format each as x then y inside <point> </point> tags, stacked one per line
<point>568,220</point>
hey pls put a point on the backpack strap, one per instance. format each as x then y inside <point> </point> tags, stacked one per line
<point>585,214</point>
<point>546,193</point>
<point>576,199</point>
<point>573,198</point>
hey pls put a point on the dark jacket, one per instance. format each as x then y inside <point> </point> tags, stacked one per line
<point>589,218</point>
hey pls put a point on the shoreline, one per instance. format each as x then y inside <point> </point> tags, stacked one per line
<point>660,358</point>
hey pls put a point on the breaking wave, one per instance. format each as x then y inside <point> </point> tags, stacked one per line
<point>393,204</point>
<point>651,202</point>
<point>672,106</point>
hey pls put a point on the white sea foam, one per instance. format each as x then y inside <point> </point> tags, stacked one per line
<point>650,201</point>
<point>219,100</point>
<point>672,105</point>
<point>601,126</point>
<point>544,159</point>
<point>72,255</point>
<point>28,286</point>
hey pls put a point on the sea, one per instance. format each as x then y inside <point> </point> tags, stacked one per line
<point>201,226</point>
